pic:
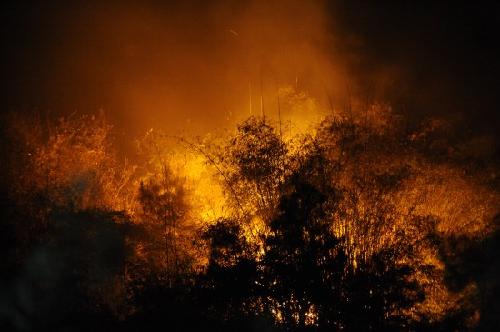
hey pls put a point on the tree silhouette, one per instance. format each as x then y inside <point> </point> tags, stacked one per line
<point>362,224</point>
<point>304,277</point>
<point>164,207</point>
<point>254,161</point>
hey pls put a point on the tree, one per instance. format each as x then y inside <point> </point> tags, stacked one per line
<point>254,164</point>
<point>308,275</point>
<point>164,208</point>
<point>229,283</point>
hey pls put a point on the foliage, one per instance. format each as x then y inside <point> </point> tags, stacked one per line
<point>254,163</point>
<point>365,223</point>
<point>164,210</point>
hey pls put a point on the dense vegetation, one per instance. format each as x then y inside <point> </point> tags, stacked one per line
<point>368,222</point>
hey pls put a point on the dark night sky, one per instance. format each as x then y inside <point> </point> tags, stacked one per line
<point>431,57</point>
<point>446,53</point>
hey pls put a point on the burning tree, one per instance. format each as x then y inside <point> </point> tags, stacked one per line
<point>351,226</point>
<point>310,248</point>
<point>165,212</point>
<point>340,217</point>
<point>72,165</point>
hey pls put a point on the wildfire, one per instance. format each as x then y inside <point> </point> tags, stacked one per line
<point>382,191</point>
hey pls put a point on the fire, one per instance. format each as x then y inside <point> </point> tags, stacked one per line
<point>382,185</point>
<point>269,165</point>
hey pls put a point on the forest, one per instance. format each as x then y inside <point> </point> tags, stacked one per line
<point>364,222</point>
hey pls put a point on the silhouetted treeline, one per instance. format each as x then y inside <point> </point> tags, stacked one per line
<point>366,223</point>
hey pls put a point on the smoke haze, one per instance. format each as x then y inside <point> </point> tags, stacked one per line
<point>185,65</point>
<point>197,65</point>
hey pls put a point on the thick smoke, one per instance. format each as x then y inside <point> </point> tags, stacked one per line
<point>193,65</point>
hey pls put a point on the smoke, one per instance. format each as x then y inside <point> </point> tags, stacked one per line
<point>193,65</point>
<point>426,59</point>
<point>198,65</point>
